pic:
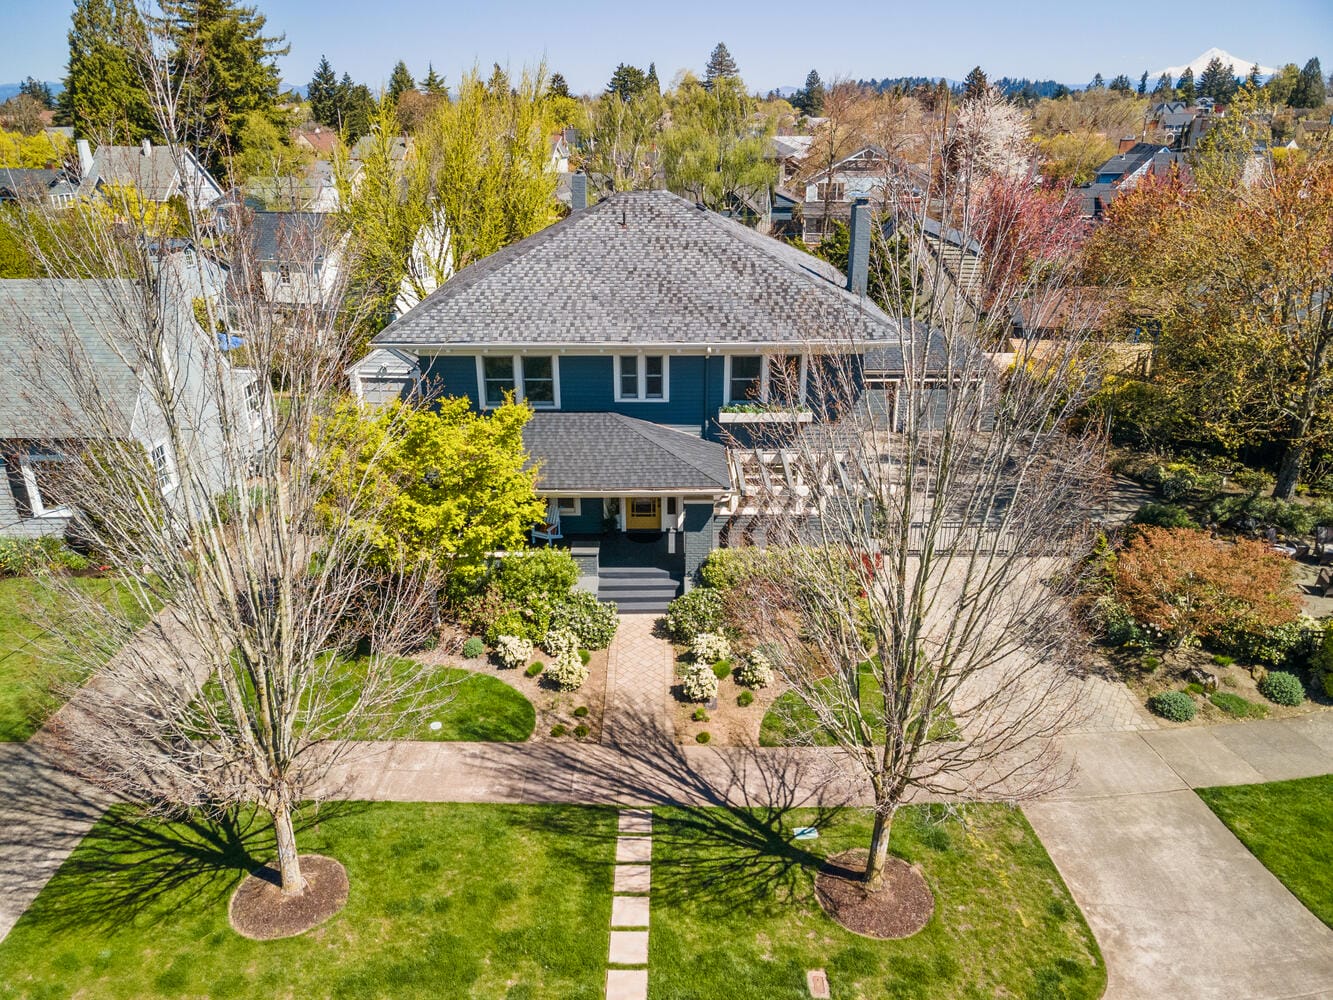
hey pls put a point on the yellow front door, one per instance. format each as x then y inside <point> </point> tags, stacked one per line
<point>644,514</point>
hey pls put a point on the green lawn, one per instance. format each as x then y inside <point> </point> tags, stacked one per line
<point>789,720</point>
<point>734,915</point>
<point>1287,826</point>
<point>447,900</point>
<point>31,662</point>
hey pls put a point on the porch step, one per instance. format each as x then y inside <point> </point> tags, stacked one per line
<point>635,573</point>
<point>638,593</point>
<point>638,589</point>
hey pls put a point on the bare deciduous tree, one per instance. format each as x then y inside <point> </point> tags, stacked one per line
<point>194,443</point>
<point>926,545</point>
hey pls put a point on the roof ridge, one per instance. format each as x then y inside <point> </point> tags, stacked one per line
<point>639,427</point>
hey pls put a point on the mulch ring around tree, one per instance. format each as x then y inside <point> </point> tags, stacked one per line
<point>259,910</point>
<point>899,909</point>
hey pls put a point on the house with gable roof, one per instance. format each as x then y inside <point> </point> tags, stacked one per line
<point>649,334</point>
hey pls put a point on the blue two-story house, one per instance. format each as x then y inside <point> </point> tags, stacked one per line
<point>636,329</point>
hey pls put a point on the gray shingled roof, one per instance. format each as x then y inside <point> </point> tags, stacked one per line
<point>47,327</point>
<point>283,235</point>
<point>599,452</point>
<point>150,170</point>
<point>642,268</point>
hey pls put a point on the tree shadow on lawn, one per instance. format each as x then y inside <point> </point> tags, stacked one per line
<point>131,867</point>
<point>727,839</point>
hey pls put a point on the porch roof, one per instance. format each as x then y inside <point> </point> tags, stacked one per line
<point>605,452</point>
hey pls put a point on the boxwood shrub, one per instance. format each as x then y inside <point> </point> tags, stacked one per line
<point>473,648</point>
<point>694,613</point>
<point>1282,688</point>
<point>1176,706</point>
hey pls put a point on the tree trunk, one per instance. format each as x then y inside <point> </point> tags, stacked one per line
<point>289,863</point>
<point>1289,471</point>
<point>879,851</point>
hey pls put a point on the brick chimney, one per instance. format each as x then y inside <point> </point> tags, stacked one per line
<point>858,250</point>
<point>578,192</point>
<point>1126,144</point>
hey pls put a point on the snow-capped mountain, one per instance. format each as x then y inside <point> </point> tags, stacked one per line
<point>1240,67</point>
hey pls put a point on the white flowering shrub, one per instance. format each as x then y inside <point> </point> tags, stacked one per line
<point>513,652</point>
<point>561,642</point>
<point>709,647</point>
<point>755,671</point>
<point>568,671</point>
<point>699,683</point>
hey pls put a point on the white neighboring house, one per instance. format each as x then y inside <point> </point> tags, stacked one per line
<point>429,265</point>
<point>61,343</point>
<point>157,173</point>
<point>300,263</point>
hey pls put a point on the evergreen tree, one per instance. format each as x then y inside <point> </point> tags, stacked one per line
<point>38,91</point>
<point>1185,89</point>
<point>1121,85</point>
<point>434,83</point>
<point>1217,81</point>
<point>650,81</point>
<point>810,98</point>
<point>976,83</point>
<point>1166,88</point>
<point>104,96</point>
<point>400,81</point>
<point>720,66</point>
<point>226,66</point>
<point>1143,84</point>
<point>353,107</point>
<point>1310,90</point>
<point>322,93</point>
<point>1097,83</point>
<point>1253,80</point>
<point>558,87</point>
<point>627,82</point>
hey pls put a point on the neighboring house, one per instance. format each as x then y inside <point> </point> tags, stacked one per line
<point>870,174</point>
<point>51,186</point>
<point>385,375</point>
<point>157,173</point>
<point>790,152</point>
<point>1133,162</point>
<point>319,140</point>
<point>645,332</point>
<point>60,346</point>
<point>299,260</point>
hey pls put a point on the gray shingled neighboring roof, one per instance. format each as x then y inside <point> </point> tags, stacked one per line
<point>1131,159</point>
<point>47,325</point>
<point>599,452</point>
<point>283,235</point>
<point>31,182</point>
<point>642,268</point>
<point>151,170</point>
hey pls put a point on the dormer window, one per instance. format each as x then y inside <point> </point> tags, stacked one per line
<point>641,377</point>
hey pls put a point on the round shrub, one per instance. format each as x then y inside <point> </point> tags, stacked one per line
<point>568,672</point>
<point>1282,688</point>
<point>699,715</point>
<point>702,737</point>
<point>699,682</point>
<point>709,647</point>
<point>690,614</point>
<point>561,642</point>
<point>745,698</point>
<point>531,623</point>
<point>473,648</point>
<point>535,669</point>
<point>721,669</point>
<point>581,731</point>
<point>756,670</point>
<point>593,621</point>
<point>512,651</point>
<point>558,729</point>
<point>538,576</point>
<point>1163,515</point>
<point>581,712</point>
<point>1176,706</point>
<point>584,657</point>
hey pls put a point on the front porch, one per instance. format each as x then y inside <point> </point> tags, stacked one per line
<point>642,572</point>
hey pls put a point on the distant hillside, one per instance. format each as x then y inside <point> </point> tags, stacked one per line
<point>1030,89</point>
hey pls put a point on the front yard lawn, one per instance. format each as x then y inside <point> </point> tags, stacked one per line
<point>446,900</point>
<point>734,915</point>
<point>1287,826</point>
<point>480,708</point>
<point>31,663</point>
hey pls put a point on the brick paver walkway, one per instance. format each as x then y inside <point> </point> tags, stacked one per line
<point>638,683</point>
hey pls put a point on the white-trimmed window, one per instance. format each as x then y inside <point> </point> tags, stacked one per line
<point>641,377</point>
<point>766,378</point>
<point>531,377</point>
<point>160,456</point>
<point>41,473</point>
<point>831,191</point>
<point>569,506</point>
<point>284,274</point>
<point>254,397</point>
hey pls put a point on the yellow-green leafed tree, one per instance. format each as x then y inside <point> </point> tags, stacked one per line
<point>716,151</point>
<point>456,485</point>
<point>43,149</point>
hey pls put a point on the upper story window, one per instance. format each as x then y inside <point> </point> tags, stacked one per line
<point>831,191</point>
<point>779,379</point>
<point>530,377</point>
<point>285,274</point>
<point>641,377</point>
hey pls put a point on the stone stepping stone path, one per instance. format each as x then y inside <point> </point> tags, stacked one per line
<point>627,975</point>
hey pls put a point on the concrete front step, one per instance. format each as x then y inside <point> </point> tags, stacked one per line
<point>628,593</point>
<point>635,573</point>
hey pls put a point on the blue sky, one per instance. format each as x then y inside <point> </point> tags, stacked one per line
<point>775,42</point>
